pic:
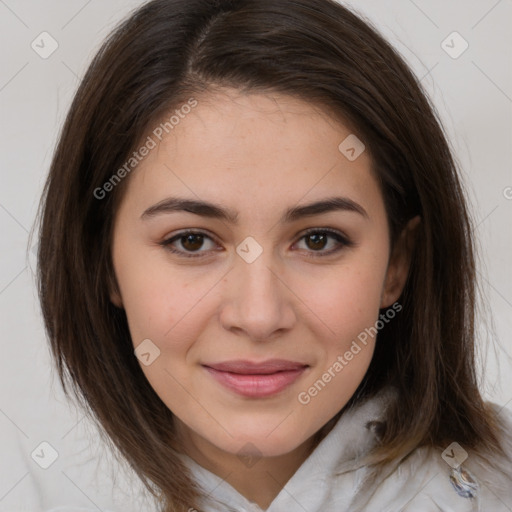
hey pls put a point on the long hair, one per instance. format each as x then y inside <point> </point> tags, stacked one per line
<point>168,51</point>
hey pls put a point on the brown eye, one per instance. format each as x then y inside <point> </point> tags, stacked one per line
<point>324,242</point>
<point>192,242</point>
<point>316,241</point>
<point>189,244</point>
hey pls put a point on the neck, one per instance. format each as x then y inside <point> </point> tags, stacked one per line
<point>258,479</point>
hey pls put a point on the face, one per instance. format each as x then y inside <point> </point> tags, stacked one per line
<point>219,293</point>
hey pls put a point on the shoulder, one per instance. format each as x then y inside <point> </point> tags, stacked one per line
<point>452,478</point>
<point>455,478</point>
<point>493,471</point>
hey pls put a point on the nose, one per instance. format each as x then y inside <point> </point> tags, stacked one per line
<point>258,303</point>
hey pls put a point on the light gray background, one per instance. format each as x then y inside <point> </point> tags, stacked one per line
<point>472,93</point>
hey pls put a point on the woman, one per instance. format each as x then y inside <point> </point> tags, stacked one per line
<point>256,267</point>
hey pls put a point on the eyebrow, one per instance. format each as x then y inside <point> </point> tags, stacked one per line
<point>214,211</point>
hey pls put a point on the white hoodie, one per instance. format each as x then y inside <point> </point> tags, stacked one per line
<point>331,479</point>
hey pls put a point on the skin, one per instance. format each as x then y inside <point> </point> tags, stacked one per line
<point>258,155</point>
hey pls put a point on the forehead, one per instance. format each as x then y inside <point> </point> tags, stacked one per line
<point>249,151</point>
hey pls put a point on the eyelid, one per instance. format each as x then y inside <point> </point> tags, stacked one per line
<point>331,231</point>
<point>340,237</point>
<point>166,244</point>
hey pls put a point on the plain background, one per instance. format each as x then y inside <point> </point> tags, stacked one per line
<point>472,93</point>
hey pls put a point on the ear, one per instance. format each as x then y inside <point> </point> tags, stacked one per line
<point>399,263</point>
<point>115,294</point>
<point>115,298</point>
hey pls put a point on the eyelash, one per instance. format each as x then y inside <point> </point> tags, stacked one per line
<point>341,239</point>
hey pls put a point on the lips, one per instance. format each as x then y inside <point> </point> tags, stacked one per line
<point>256,380</point>
<point>244,367</point>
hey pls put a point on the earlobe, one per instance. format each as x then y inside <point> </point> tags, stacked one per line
<point>115,298</point>
<point>399,263</point>
<point>115,294</point>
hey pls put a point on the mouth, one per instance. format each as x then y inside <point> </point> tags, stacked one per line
<point>256,380</point>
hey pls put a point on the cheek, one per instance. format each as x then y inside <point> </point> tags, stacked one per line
<point>165,306</point>
<point>170,309</point>
<point>345,299</point>
<point>348,305</point>
<point>160,301</point>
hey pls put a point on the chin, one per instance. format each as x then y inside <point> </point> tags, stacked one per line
<point>264,439</point>
<point>262,446</point>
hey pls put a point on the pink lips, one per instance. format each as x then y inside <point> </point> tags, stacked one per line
<point>256,380</point>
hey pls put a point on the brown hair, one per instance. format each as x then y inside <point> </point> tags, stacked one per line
<point>315,50</point>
